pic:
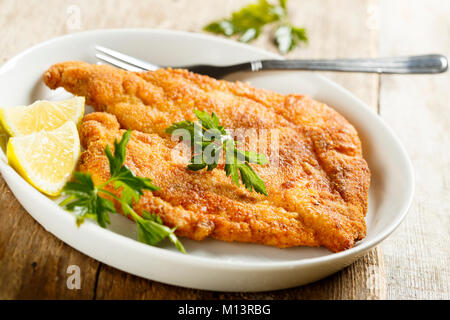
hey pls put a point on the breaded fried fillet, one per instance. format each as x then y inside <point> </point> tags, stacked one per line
<point>317,180</point>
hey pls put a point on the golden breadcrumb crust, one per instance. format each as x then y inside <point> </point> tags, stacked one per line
<point>318,186</point>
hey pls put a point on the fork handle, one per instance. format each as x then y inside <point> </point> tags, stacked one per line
<point>432,63</point>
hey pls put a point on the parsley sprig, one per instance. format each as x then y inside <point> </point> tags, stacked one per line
<point>248,22</point>
<point>84,198</point>
<point>208,139</point>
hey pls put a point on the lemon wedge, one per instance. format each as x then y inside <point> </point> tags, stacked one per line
<point>41,115</point>
<point>46,159</point>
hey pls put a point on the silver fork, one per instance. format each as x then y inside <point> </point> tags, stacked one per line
<point>423,64</point>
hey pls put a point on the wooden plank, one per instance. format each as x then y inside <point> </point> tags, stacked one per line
<point>33,263</point>
<point>335,31</point>
<point>416,107</point>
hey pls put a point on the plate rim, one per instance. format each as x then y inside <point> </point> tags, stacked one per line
<point>199,260</point>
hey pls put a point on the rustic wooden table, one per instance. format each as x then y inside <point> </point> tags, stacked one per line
<point>412,264</point>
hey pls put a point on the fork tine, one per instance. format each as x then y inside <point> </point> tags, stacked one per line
<point>118,63</point>
<point>128,59</point>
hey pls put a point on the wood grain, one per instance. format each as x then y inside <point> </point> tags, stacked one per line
<point>33,263</point>
<point>348,28</point>
<point>417,108</point>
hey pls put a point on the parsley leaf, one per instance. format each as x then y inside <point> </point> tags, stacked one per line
<point>248,22</point>
<point>151,230</point>
<point>209,139</point>
<point>287,37</point>
<point>122,177</point>
<point>84,199</point>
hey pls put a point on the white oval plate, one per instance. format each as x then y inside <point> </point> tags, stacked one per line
<point>211,265</point>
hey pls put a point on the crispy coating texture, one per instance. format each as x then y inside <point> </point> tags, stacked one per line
<point>318,184</point>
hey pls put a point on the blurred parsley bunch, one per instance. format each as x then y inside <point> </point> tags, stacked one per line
<point>248,22</point>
